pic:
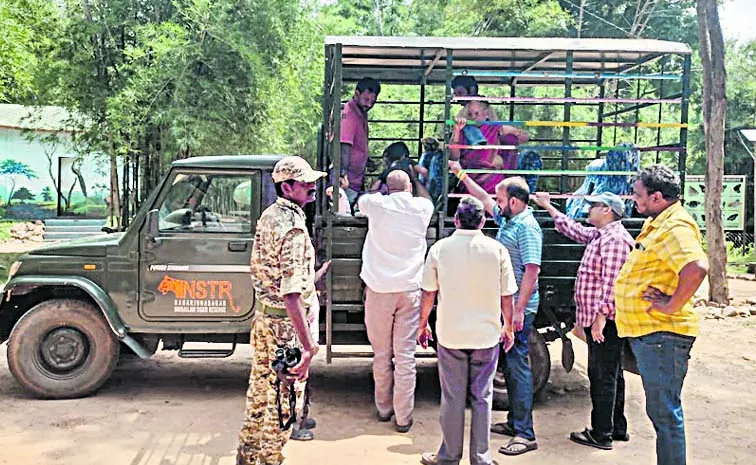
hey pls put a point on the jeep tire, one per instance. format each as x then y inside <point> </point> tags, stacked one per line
<point>540,367</point>
<point>62,349</point>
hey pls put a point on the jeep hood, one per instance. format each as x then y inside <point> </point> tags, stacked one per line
<point>94,246</point>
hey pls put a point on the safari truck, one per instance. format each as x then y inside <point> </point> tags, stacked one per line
<point>180,273</point>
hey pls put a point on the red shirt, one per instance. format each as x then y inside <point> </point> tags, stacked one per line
<point>354,132</point>
<point>606,252</point>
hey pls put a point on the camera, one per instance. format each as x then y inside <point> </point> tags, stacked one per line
<point>286,358</point>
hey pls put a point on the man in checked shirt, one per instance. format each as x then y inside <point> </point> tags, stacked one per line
<point>608,245</point>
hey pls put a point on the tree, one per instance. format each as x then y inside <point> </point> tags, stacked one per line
<point>47,194</point>
<point>23,194</point>
<point>13,170</point>
<point>712,50</point>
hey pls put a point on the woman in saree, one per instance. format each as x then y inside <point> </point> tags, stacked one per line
<point>497,159</point>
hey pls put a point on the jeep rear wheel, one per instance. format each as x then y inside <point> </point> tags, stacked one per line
<point>540,368</point>
<point>62,349</point>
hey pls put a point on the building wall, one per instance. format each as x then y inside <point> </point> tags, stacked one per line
<point>14,145</point>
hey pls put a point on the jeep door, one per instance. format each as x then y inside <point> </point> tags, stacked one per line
<point>197,268</point>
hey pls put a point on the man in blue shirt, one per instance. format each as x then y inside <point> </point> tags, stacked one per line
<point>521,234</point>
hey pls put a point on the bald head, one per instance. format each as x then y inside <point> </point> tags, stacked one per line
<point>398,181</point>
<point>515,187</point>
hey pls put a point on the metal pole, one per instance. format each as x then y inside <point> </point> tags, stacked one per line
<point>566,130</point>
<point>753,179</point>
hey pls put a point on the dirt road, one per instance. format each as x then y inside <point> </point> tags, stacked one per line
<point>167,411</point>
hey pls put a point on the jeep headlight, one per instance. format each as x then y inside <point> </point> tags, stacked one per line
<point>13,269</point>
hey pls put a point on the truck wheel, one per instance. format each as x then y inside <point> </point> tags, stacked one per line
<point>540,366</point>
<point>62,349</point>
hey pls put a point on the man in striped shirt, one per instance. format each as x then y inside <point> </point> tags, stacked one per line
<point>607,246</point>
<point>521,234</point>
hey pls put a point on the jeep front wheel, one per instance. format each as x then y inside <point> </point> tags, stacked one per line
<point>62,349</point>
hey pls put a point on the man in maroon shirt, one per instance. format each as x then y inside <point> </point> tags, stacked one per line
<point>354,135</point>
<point>607,246</point>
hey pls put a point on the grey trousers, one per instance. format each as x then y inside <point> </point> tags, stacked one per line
<point>458,370</point>
<point>392,319</point>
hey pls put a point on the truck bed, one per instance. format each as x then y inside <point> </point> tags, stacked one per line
<point>346,236</point>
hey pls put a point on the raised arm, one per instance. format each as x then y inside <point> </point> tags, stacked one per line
<point>457,137</point>
<point>472,187</point>
<point>564,224</point>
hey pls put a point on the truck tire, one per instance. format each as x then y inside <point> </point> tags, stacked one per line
<point>540,366</point>
<point>62,349</point>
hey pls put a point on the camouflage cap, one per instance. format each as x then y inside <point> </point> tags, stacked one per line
<point>295,168</point>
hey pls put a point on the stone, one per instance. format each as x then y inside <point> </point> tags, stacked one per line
<point>753,311</point>
<point>744,311</point>
<point>729,311</point>
<point>700,302</point>
<point>751,301</point>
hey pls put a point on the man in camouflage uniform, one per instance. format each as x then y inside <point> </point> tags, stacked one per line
<point>283,271</point>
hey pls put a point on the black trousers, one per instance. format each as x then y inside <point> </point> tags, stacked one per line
<point>607,383</point>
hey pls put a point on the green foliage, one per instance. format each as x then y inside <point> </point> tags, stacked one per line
<point>47,194</point>
<point>5,228</point>
<point>22,194</point>
<point>25,29</point>
<point>11,167</point>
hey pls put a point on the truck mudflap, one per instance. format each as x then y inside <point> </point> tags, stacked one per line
<point>109,311</point>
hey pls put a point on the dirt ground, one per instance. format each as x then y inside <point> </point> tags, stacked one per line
<point>167,411</point>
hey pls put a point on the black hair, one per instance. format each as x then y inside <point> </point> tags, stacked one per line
<point>659,178</point>
<point>470,213</point>
<point>370,84</point>
<point>516,191</point>
<point>468,82</point>
<point>395,152</point>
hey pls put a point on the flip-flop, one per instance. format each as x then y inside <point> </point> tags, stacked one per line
<point>503,428</point>
<point>586,438</point>
<point>518,446</point>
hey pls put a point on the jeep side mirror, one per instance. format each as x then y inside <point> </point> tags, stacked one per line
<point>153,227</point>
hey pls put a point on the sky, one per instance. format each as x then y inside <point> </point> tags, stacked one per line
<point>738,19</point>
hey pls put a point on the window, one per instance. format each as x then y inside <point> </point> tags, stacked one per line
<point>210,203</point>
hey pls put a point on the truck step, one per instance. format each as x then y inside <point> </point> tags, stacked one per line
<point>207,353</point>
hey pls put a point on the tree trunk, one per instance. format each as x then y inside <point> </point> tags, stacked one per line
<point>714,106</point>
<point>75,167</point>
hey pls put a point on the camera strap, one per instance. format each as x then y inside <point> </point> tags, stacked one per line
<point>292,403</point>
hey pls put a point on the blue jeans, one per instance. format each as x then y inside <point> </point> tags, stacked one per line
<point>663,363</point>
<point>516,369</point>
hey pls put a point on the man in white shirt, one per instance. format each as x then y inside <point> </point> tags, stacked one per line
<point>473,277</point>
<point>392,263</point>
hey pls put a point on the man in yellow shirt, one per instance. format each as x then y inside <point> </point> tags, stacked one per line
<point>653,296</point>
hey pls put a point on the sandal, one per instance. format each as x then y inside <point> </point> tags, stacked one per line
<point>503,428</point>
<point>309,423</point>
<point>517,446</point>
<point>586,438</point>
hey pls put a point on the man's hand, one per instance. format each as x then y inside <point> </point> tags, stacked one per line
<point>518,319</point>
<point>454,167</point>
<point>423,336</point>
<point>302,370</point>
<point>542,199</point>
<point>597,328</point>
<point>322,271</point>
<point>506,337</point>
<point>659,300</point>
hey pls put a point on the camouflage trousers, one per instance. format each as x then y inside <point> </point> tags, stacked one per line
<point>261,440</point>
